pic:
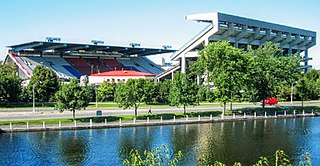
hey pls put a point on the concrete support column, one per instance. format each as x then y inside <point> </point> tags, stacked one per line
<point>306,62</point>
<point>236,44</point>
<point>198,79</point>
<point>290,51</point>
<point>183,63</point>
<point>206,42</point>
<point>172,75</point>
<point>298,51</point>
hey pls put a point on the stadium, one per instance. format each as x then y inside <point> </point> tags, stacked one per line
<point>73,60</point>
<point>119,63</point>
<point>241,32</point>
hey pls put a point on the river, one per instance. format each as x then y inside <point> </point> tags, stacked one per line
<point>243,141</point>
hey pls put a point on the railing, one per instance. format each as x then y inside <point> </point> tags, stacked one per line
<point>103,121</point>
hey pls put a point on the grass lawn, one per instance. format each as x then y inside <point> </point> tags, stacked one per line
<point>124,118</point>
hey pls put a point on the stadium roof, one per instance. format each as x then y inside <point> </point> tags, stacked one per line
<point>124,73</point>
<point>69,48</point>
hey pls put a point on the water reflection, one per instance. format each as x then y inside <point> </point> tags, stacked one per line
<point>73,151</point>
<point>135,138</point>
<point>184,139</point>
<point>243,141</point>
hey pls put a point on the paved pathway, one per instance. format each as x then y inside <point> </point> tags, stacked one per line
<point>48,113</point>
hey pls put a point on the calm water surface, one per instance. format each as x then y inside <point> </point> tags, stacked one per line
<point>243,141</point>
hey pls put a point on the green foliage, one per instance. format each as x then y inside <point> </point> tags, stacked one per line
<point>133,93</point>
<point>279,159</point>
<point>106,91</point>
<point>308,86</point>
<point>302,88</point>
<point>306,160</point>
<point>268,69</point>
<point>45,83</point>
<point>225,66</point>
<point>206,93</point>
<point>72,96</point>
<point>230,70</point>
<point>284,92</point>
<point>10,84</point>
<point>163,90</point>
<point>159,156</point>
<point>183,91</point>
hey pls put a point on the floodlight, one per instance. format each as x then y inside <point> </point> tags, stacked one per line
<point>166,47</point>
<point>52,39</point>
<point>134,44</point>
<point>96,42</point>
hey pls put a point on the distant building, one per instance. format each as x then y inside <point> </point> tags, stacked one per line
<point>118,76</point>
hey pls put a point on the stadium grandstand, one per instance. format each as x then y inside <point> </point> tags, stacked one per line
<point>72,60</point>
<point>240,32</point>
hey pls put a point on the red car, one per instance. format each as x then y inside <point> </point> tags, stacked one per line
<point>270,101</point>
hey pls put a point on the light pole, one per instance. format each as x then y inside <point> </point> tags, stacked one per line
<point>95,88</point>
<point>33,100</point>
<point>292,91</point>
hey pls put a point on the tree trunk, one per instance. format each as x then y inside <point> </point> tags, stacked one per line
<point>224,108</point>
<point>302,104</point>
<point>74,114</point>
<point>135,111</point>
<point>231,102</point>
<point>184,109</point>
<point>263,104</point>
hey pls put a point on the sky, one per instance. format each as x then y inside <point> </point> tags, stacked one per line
<point>152,23</point>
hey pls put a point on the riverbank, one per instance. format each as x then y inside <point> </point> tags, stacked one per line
<point>76,125</point>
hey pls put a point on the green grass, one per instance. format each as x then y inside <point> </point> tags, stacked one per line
<point>270,111</point>
<point>124,118</point>
<point>25,105</point>
<point>37,122</point>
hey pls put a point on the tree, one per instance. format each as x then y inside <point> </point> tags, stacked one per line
<point>73,97</point>
<point>133,93</point>
<point>106,91</point>
<point>225,67</point>
<point>302,89</point>
<point>312,87</point>
<point>45,83</point>
<point>10,84</point>
<point>163,90</point>
<point>183,91</point>
<point>268,69</point>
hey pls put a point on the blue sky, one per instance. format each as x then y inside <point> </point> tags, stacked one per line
<point>152,23</point>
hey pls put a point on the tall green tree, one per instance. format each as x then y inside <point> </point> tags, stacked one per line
<point>10,84</point>
<point>106,91</point>
<point>163,90</point>
<point>133,93</point>
<point>45,83</point>
<point>302,90</point>
<point>268,69</point>
<point>225,66</point>
<point>311,80</point>
<point>183,91</point>
<point>73,97</point>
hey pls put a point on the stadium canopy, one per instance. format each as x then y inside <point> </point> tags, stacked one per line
<point>44,47</point>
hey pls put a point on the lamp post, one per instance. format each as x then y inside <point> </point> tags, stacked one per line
<point>95,89</point>
<point>292,91</point>
<point>33,99</point>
